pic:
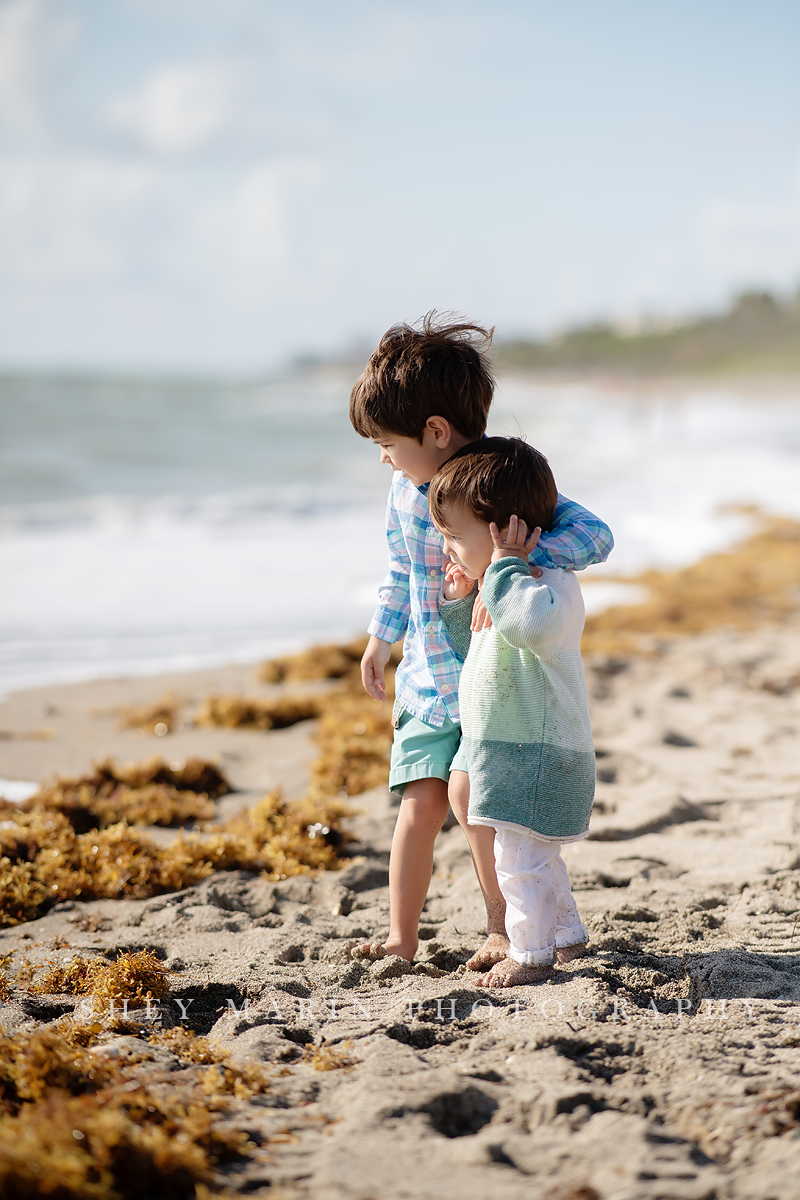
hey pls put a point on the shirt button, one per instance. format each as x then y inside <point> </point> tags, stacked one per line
<point>434,574</point>
<point>445,687</point>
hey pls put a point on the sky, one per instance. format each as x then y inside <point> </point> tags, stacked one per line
<point>223,185</point>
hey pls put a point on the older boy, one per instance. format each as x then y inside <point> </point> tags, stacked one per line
<point>424,394</point>
<point>527,743</point>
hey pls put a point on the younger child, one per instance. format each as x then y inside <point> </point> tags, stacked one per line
<point>424,395</point>
<point>527,740</point>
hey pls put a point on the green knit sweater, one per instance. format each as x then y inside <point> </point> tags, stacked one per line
<point>524,712</point>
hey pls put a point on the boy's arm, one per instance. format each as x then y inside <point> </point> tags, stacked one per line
<point>390,619</point>
<point>576,540</point>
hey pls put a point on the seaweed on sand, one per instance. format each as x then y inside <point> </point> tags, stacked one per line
<point>43,860</point>
<point>322,662</point>
<point>318,662</point>
<point>159,718</point>
<point>354,733</point>
<point>355,739</point>
<point>134,975</point>
<point>327,1057</point>
<point>235,712</point>
<point>76,1123</point>
<point>757,580</point>
<point>151,793</point>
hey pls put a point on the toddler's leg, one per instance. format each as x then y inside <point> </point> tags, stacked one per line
<point>571,935</point>
<point>423,810</point>
<point>481,845</point>
<point>527,880</point>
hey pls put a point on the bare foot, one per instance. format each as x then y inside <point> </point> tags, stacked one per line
<point>565,954</point>
<point>372,951</point>
<point>493,950</point>
<point>510,973</point>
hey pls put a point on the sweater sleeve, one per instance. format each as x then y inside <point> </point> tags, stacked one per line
<point>576,539</point>
<point>457,617</point>
<point>526,612</point>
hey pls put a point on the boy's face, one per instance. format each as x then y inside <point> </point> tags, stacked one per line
<point>419,462</point>
<point>467,540</point>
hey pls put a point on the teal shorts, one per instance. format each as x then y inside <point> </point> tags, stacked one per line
<point>422,751</point>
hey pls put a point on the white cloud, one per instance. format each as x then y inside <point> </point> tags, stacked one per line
<point>179,108</point>
<point>32,41</point>
<point>68,220</point>
<point>242,236</point>
<point>77,220</point>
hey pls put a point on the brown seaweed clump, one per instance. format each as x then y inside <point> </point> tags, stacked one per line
<point>43,860</point>
<point>160,718</point>
<point>326,1057</point>
<point>136,975</point>
<point>355,740</point>
<point>757,580</point>
<point>76,1125</point>
<point>5,987</point>
<point>354,734</point>
<point>322,662</point>
<point>318,662</point>
<point>188,1045</point>
<point>235,712</point>
<point>151,793</point>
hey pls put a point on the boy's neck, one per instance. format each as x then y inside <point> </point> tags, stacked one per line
<point>454,444</point>
<point>457,441</point>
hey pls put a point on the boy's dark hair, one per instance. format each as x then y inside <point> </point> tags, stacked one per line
<point>439,369</point>
<point>495,478</point>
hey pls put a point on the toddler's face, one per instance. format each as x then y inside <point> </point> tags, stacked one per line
<point>467,540</point>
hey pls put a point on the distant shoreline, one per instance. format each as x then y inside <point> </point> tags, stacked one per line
<point>775,384</point>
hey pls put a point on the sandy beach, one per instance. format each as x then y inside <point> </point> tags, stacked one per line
<point>666,1064</point>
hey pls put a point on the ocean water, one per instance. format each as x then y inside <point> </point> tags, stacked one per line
<point>160,525</point>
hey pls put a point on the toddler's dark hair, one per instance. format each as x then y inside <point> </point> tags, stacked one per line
<point>494,478</point>
<point>439,369</point>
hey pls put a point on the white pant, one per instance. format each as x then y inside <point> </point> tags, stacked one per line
<point>541,914</point>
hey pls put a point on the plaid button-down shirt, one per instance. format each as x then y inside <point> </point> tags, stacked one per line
<point>426,684</point>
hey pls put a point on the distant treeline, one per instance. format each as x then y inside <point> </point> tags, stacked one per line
<point>757,333</point>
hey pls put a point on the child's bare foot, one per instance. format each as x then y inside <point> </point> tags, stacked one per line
<point>565,954</point>
<point>493,950</point>
<point>372,951</point>
<point>510,973</point>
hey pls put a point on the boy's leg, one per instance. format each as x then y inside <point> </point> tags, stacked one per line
<point>571,935</point>
<point>526,878</point>
<point>481,845</point>
<point>423,810</point>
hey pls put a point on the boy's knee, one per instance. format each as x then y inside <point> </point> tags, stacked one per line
<point>425,793</point>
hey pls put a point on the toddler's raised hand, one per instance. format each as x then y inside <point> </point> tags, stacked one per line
<point>513,541</point>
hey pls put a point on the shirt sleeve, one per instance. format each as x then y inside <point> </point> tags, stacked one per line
<point>577,539</point>
<point>390,619</point>
<point>527,613</point>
